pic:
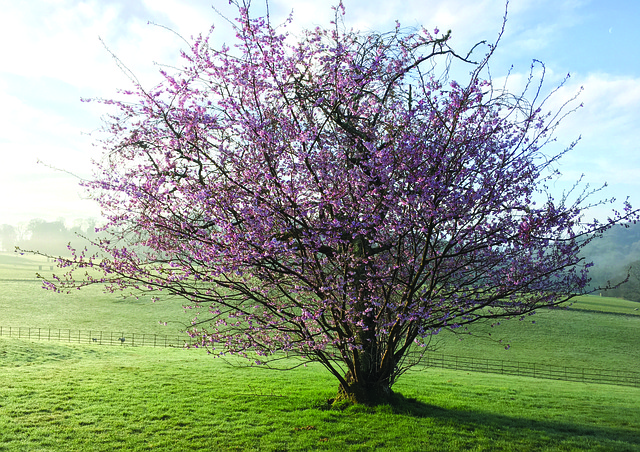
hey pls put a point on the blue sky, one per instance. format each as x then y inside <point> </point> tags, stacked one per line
<point>51,56</point>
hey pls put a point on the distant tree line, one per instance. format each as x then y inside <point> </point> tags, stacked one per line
<point>616,256</point>
<point>630,290</point>
<point>49,237</point>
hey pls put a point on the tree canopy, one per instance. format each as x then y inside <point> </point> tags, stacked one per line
<point>331,196</point>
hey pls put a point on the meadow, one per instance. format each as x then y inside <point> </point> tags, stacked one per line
<point>23,303</point>
<point>58,396</point>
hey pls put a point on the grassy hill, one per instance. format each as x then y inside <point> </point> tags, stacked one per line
<point>592,332</point>
<point>24,303</point>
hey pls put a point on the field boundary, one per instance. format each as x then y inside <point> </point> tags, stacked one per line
<point>428,359</point>
<point>534,370</point>
<point>95,337</point>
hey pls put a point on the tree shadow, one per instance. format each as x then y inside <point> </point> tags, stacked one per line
<point>512,426</point>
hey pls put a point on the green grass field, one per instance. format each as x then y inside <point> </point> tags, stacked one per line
<point>593,332</point>
<point>23,303</point>
<point>65,397</point>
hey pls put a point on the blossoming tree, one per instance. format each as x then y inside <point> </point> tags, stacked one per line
<point>332,197</point>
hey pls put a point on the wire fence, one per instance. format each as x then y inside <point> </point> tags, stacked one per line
<point>429,359</point>
<point>95,337</point>
<point>535,370</point>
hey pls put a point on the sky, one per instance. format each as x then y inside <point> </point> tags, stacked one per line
<point>55,52</point>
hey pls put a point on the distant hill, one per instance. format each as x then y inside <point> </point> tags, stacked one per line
<point>613,255</point>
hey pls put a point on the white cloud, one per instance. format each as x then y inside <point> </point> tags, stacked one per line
<point>467,20</point>
<point>609,149</point>
<point>58,41</point>
<point>609,115</point>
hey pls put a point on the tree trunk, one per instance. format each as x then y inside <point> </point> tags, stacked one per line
<point>365,392</point>
<point>371,372</point>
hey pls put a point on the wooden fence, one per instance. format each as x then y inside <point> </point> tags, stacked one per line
<point>429,359</point>
<point>95,337</point>
<point>535,370</point>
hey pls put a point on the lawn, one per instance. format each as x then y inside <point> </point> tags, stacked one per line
<point>65,397</point>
